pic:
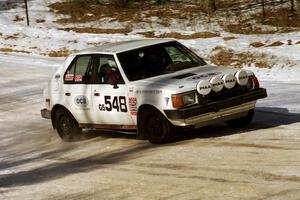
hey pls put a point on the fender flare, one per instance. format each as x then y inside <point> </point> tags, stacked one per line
<point>142,108</point>
<point>53,112</point>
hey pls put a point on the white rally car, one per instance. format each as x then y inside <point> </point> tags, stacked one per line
<point>152,86</point>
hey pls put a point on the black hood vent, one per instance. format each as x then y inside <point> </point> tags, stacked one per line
<point>183,76</point>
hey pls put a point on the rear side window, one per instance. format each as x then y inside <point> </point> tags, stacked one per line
<point>80,70</point>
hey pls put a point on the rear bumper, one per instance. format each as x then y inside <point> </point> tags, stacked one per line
<point>223,110</point>
<point>46,113</point>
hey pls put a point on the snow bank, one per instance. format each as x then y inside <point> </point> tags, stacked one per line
<point>41,38</point>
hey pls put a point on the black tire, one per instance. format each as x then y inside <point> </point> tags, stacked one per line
<point>155,127</point>
<point>66,126</point>
<point>243,121</point>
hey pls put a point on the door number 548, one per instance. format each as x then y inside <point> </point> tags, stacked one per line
<point>118,103</point>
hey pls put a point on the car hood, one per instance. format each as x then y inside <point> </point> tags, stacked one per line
<point>184,80</point>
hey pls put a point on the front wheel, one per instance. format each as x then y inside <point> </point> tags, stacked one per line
<point>243,121</point>
<point>67,127</point>
<point>155,127</point>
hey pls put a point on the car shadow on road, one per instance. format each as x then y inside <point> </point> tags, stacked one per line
<point>57,170</point>
<point>265,118</point>
<point>105,134</point>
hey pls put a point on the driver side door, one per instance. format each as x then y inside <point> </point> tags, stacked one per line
<point>109,95</point>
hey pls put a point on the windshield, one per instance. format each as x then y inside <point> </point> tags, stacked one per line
<point>157,59</point>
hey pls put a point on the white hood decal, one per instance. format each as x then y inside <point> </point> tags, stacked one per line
<point>203,76</point>
<point>184,80</point>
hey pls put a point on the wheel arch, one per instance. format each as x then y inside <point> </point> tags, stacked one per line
<point>166,127</point>
<point>53,113</point>
<point>142,108</point>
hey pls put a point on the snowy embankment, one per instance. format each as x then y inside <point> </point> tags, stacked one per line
<point>286,58</point>
<point>40,61</point>
<point>35,43</point>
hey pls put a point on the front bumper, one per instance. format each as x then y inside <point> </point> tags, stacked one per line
<point>214,107</point>
<point>46,113</point>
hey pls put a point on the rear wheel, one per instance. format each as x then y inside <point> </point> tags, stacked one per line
<point>155,127</point>
<point>67,127</point>
<point>243,121</point>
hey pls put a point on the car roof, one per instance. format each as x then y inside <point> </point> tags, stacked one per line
<point>122,46</point>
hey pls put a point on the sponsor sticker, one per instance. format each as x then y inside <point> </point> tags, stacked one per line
<point>69,77</point>
<point>132,101</point>
<point>131,89</point>
<point>81,101</point>
<point>78,78</point>
<point>148,91</point>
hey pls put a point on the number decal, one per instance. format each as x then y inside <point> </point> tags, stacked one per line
<point>118,104</point>
<point>115,103</point>
<point>107,102</point>
<point>101,107</point>
<point>123,105</point>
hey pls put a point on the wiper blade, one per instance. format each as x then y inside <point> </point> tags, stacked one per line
<point>179,66</point>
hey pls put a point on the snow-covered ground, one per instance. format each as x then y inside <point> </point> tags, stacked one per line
<point>216,162</point>
<point>259,162</point>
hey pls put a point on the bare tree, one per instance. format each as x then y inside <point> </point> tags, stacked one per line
<point>208,6</point>
<point>160,1</point>
<point>292,5</point>
<point>263,9</point>
<point>121,3</point>
<point>27,15</point>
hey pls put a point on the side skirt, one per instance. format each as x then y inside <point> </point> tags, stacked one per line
<point>109,126</point>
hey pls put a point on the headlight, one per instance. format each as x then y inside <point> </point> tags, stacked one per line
<point>189,99</point>
<point>182,100</point>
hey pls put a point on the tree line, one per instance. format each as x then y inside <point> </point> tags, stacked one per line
<point>208,6</point>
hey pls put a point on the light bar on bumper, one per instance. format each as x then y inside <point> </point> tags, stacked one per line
<point>198,109</point>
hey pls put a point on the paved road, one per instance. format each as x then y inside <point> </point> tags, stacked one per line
<point>216,162</point>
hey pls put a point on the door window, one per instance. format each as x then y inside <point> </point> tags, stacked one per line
<point>80,70</point>
<point>108,72</point>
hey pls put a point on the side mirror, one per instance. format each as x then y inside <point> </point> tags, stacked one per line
<point>114,77</point>
<point>115,84</point>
